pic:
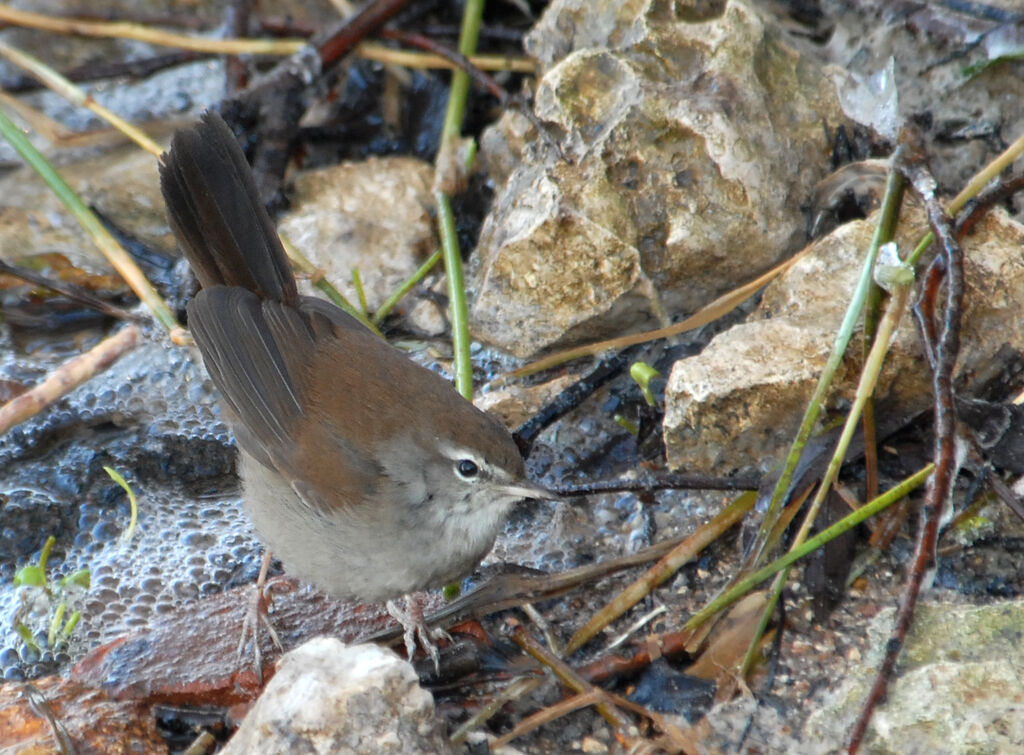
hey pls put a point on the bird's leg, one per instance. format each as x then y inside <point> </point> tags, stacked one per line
<point>410,616</point>
<point>257,614</point>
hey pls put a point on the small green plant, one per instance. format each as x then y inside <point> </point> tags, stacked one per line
<point>632,427</point>
<point>642,373</point>
<point>132,500</point>
<point>54,592</point>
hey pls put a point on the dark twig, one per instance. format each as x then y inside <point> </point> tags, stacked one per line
<point>1006,495</point>
<point>569,399</point>
<point>944,353</point>
<point>651,483</point>
<point>481,78</point>
<point>509,589</point>
<point>971,214</point>
<point>570,678</point>
<point>286,26</point>
<point>40,705</point>
<point>71,292</point>
<point>237,16</point>
<point>460,61</point>
<point>268,111</point>
<point>924,309</point>
<point>978,207</point>
<point>495,33</point>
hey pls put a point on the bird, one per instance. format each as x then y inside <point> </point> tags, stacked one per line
<point>368,475</point>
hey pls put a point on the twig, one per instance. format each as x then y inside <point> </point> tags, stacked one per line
<point>67,377</point>
<point>570,678</point>
<point>944,353</point>
<point>406,287</point>
<point>465,63</point>
<point>975,209</point>
<point>409,59</point>
<point>866,511</point>
<point>606,703</point>
<point>703,316</point>
<point>76,95</point>
<point>883,232</point>
<point>304,265</point>
<point>870,371</point>
<point>118,69</point>
<point>570,398</point>
<point>547,715</point>
<point>514,691</point>
<point>121,30</point>
<point>40,705</point>
<point>270,108</point>
<point>71,292</point>
<point>237,14</point>
<point>650,484</point>
<point>663,570</point>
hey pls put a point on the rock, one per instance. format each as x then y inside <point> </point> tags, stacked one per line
<point>517,403</point>
<point>374,215</point>
<point>737,405</point>
<point>958,686</point>
<point>690,144</point>
<point>328,698</point>
<point>145,664</point>
<point>55,715</point>
<point>122,184</point>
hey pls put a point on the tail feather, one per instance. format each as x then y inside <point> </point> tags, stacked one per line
<point>216,214</point>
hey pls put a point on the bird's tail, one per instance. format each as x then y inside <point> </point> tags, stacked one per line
<point>216,213</point>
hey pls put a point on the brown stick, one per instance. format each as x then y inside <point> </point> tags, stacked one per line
<point>943,353</point>
<point>67,377</point>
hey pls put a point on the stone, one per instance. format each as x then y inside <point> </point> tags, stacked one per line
<point>689,144</point>
<point>327,697</point>
<point>373,215</point>
<point>737,405</point>
<point>958,685</point>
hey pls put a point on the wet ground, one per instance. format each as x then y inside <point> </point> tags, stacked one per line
<point>154,418</point>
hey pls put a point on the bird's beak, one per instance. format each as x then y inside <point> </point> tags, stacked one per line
<point>527,489</point>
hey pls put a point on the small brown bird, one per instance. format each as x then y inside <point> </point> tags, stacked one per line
<point>368,475</point>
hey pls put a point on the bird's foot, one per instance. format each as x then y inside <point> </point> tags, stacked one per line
<point>256,615</point>
<point>410,616</point>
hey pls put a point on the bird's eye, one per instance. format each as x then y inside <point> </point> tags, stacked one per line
<point>467,469</point>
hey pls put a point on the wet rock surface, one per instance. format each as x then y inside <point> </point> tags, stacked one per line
<point>154,417</point>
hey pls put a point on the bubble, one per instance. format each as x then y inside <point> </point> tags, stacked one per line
<point>103,595</point>
<point>154,418</point>
<point>9,657</point>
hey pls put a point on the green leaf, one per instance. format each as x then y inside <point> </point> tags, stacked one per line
<point>80,578</point>
<point>133,522</point>
<point>26,636</point>
<point>643,374</point>
<point>31,575</point>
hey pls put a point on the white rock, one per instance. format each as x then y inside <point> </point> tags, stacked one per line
<point>327,697</point>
